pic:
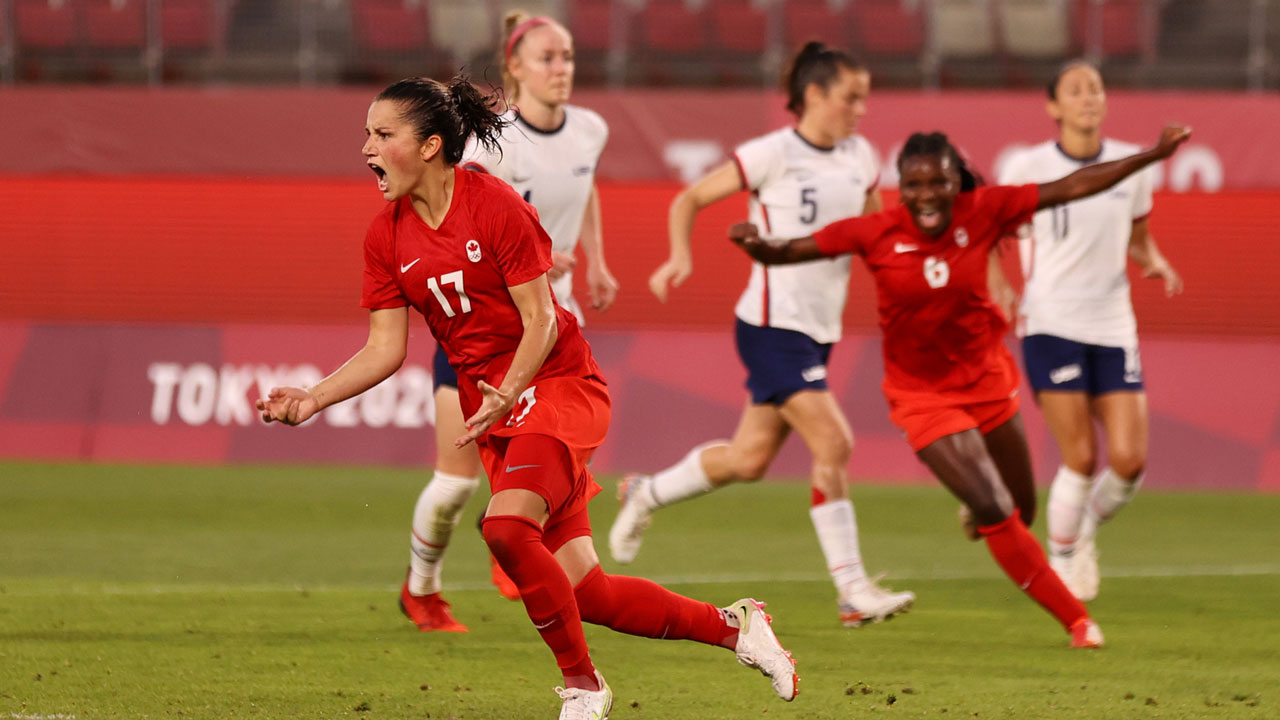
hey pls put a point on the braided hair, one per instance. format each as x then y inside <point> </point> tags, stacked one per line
<point>936,143</point>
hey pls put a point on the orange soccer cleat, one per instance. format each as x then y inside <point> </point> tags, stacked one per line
<point>1085,633</point>
<point>429,612</point>
<point>506,587</point>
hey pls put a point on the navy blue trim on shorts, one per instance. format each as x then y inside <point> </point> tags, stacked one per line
<point>780,363</point>
<point>1055,363</point>
<point>442,373</point>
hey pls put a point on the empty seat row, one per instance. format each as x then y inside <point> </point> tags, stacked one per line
<point>115,24</point>
<point>1033,28</point>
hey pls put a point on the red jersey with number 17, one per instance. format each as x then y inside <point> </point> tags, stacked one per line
<point>942,332</point>
<point>458,275</point>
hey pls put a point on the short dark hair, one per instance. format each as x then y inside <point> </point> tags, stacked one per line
<point>815,64</point>
<point>455,112</point>
<point>1052,87</point>
<point>936,143</point>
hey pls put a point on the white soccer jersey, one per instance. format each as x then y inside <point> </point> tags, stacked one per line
<point>1074,255</point>
<point>796,189</point>
<point>554,171</point>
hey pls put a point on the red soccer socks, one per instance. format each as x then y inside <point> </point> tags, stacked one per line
<point>548,598</point>
<point>1022,559</point>
<point>642,607</point>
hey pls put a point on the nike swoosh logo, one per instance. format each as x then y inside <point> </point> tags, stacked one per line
<point>745,620</point>
<point>405,268</point>
<point>513,468</point>
<point>544,625</point>
<point>904,247</point>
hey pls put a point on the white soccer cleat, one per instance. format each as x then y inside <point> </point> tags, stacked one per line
<point>1084,570</point>
<point>873,605</point>
<point>759,648</point>
<point>582,704</point>
<point>627,533</point>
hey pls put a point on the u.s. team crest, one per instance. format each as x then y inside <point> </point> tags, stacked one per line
<point>473,251</point>
<point>962,237</point>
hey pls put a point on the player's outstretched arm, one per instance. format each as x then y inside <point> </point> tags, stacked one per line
<point>1095,178</point>
<point>538,314</point>
<point>713,187</point>
<point>382,355</point>
<point>747,237</point>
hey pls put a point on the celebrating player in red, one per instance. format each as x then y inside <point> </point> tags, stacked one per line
<point>951,383</point>
<point>467,252</point>
<point>548,152</point>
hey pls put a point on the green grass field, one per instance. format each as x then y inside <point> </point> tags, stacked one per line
<point>261,592</point>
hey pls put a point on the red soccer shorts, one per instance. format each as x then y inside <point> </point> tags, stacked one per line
<point>544,445</point>
<point>926,417</point>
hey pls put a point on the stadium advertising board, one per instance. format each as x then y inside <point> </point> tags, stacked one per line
<point>184,394</point>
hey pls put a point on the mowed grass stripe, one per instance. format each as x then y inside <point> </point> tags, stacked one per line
<point>129,592</point>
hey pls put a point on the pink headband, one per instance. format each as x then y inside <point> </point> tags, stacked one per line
<point>521,29</point>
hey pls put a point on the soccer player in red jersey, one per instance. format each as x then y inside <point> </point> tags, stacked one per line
<point>951,383</point>
<point>464,250</point>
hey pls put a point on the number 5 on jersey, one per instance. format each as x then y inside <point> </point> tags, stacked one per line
<point>454,278</point>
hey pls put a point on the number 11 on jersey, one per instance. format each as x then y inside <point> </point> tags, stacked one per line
<point>454,278</point>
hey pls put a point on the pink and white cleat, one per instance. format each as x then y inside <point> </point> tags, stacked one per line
<point>759,648</point>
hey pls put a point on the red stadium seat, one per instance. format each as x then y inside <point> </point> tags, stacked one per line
<point>888,27</point>
<point>672,26</point>
<point>590,21</point>
<point>114,24</point>
<point>739,26</point>
<point>45,24</point>
<point>816,20</point>
<point>191,24</point>
<point>1122,26</point>
<point>389,25</point>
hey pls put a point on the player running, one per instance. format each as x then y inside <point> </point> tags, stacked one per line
<point>467,253</point>
<point>800,178</point>
<point>951,383</point>
<point>1080,338</point>
<point>548,152</point>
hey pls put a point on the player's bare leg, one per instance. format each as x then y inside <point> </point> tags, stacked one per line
<point>1068,415</point>
<point>963,464</point>
<point>436,515</point>
<point>1124,420</point>
<point>760,434</point>
<point>817,417</point>
<point>1007,445</point>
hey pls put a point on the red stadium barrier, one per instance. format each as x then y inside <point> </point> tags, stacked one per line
<point>192,250</point>
<point>184,394</point>
<point>655,134</point>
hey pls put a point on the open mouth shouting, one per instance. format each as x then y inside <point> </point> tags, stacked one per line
<point>382,176</point>
<point>929,220</point>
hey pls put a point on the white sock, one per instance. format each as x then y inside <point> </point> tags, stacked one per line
<point>434,518</point>
<point>681,481</point>
<point>1067,497</point>
<point>837,530</point>
<point>1110,493</point>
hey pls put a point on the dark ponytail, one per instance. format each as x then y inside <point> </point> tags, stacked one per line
<point>936,143</point>
<point>476,115</point>
<point>815,64</point>
<point>455,112</point>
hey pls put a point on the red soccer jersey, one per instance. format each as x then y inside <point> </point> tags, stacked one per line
<point>941,330</point>
<point>457,276</point>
